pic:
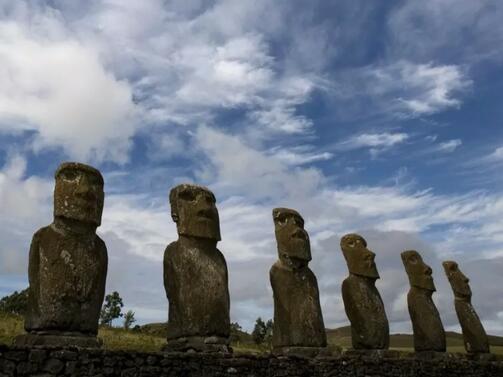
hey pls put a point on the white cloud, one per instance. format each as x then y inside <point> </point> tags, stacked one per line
<point>24,205</point>
<point>467,31</point>
<point>377,140</point>
<point>71,72</point>
<point>20,196</point>
<point>299,155</point>
<point>432,86</point>
<point>402,88</point>
<point>497,155</point>
<point>59,88</point>
<point>232,164</point>
<point>186,65</point>
<point>449,146</point>
<point>229,75</point>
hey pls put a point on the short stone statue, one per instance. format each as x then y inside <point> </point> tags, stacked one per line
<point>474,335</point>
<point>429,334</point>
<point>195,275</point>
<point>298,322</point>
<point>68,264</point>
<point>362,301</point>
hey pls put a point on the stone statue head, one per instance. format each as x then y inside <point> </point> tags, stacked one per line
<point>293,241</point>
<point>194,211</point>
<point>419,272</point>
<point>359,259</point>
<point>459,282</point>
<point>78,193</point>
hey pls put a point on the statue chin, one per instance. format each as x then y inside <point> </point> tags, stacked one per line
<point>366,271</point>
<point>293,262</point>
<point>426,284</point>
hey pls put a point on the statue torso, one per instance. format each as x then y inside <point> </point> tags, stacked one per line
<point>429,334</point>
<point>69,281</point>
<point>197,288</point>
<point>298,320</point>
<point>365,310</point>
<point>474,335</point>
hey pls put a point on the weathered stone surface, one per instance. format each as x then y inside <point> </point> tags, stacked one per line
<point>429,334</point>
<point>362,301</point>
<point>68,262</point>
<point>474,335</point>
<point>351,364</point>
<point>58,338</point>
<point>195,274</point>
<point>298,322</point>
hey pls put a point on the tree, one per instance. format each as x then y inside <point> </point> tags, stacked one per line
<point>235,332</point>
<point>268,332</point>
<point>262,332</point>
<point>129,319</point>
<point>111,309</point>
<point>259,331</point>
<point>16,303</point>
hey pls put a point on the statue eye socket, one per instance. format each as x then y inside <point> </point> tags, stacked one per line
<point>94,180</point>
<point>186,195</point>
<point>210,199</point>
<point>68,175</point>
<point>281,220</point>
<point>297,221</point>
<point>351,243</point>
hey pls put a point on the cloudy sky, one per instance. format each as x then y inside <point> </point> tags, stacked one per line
<point>383,118</point>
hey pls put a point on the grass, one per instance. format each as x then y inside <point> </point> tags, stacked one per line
<point>153,340</point>
<point>10,326</point>
<point>127,340</point>
<point>113,338</point>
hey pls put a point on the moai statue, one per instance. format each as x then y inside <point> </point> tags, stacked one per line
<point>298,322</point>
<point>474,335</point>
<point>362,301</point>
<point>195,275</point>
<point>429,334</point>
<point>68,264</point>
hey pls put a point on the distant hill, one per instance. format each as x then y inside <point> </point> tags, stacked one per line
<point>342,337</point>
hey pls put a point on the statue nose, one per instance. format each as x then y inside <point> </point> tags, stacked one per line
<point>369,255</point>
<point>205,212</point>
<point>428,270</point>
<point>83,188</point>
<point>299,233</point>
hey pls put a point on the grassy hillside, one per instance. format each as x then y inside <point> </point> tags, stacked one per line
<point>152,337</point>
<point>113,338</point>
<point>342,337</point>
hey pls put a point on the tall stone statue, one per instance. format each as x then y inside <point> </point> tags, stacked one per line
<point>362,301</point>
<point>195,274</point>
<point>68,264</point>
<point>429,334</point>
<point>474,335</point>
<point>298,322</point>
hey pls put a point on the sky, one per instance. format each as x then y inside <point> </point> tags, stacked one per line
<point>381,118</point>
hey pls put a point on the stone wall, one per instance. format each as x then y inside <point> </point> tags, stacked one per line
<point>73,362</point>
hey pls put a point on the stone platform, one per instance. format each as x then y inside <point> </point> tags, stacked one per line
<point>57,361</point>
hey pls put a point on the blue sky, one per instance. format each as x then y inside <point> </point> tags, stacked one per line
<point>382,118</point>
